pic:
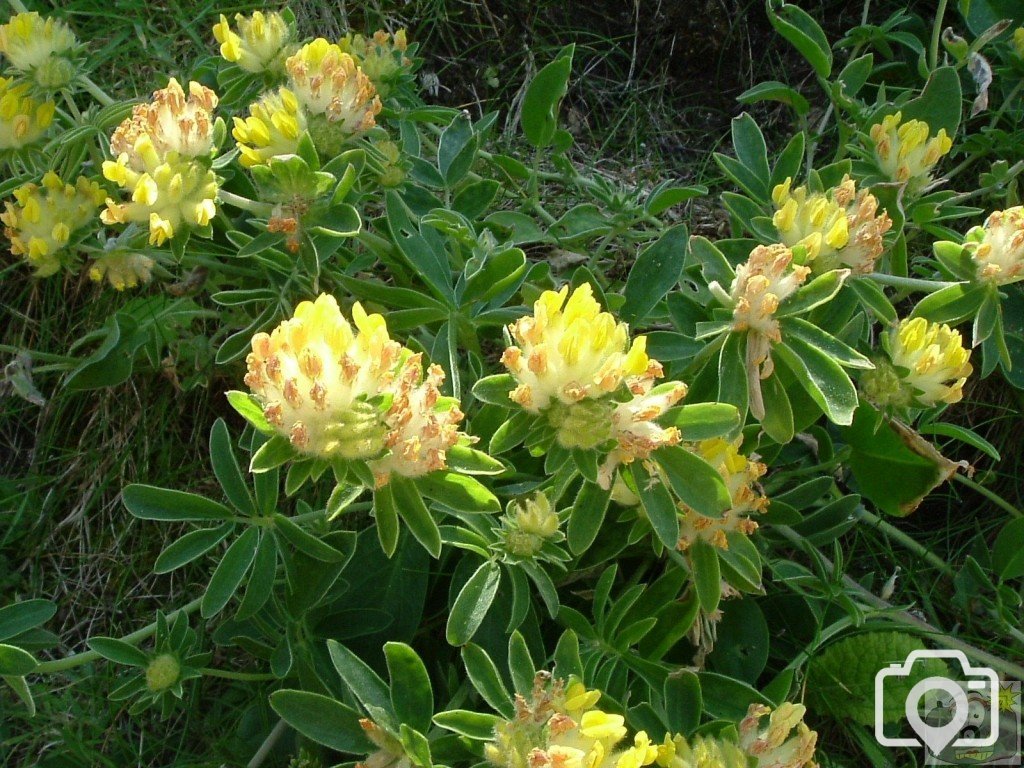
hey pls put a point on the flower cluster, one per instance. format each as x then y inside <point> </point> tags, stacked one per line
<point>273,128</point>
<point>122,269</point>
<point>330,86</point>
<point>529,525</point>
<point>23,119</point>
<point>786,742</point>
<point>261,43</point>
<point>336,393</point>
<point>39,48</point>
<point>840,227</point>
<point>162,158</point>
<point>42,218</point>
<point>561,727</point>
<point>929,365</point>
<point>740,475</point>
<point>382,57</point>
<point>997,248</point>
<point>906,151</point>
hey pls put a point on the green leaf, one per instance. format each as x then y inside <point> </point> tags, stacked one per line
<point>472,603</point>
<point>461,493</point>
<point>939,104</point>
<point>732,374</point>
<point>520,663</point>
<point>485,678</point>
<point>707,574</point>
<point>1008,551</point>
<point>410,507</point>
<point>696,482</point>
<point>658,504</point>
<point>683,703</point>
<point>225,467</point>
<point>473,725</point>
<point>701,421</point>
<point>502,271</point>
<point>229,574</point>
<point>800,29</point>
<point>873,298</point>
<point>820,290</point>
<point>15,662</point>
<point>322,720</point>
<point>512,432</point>
<point>543,97</point>
<point>773,90</point>
<point>456,149</point>
<point>726,698</point>
<point>412,697</point>
<point>567,656</point>
<point>462,458</point>
<point>365,684</point>
<point>826,343</point>
<point>249,408</point>
<point>118,651</point>
<point>665,196</point>
<point>148,502</point>
<point>261,580</point>
<point>654,273</point>
<point>778,411</point>
<point>821,377</point>
<point>952,303</point>
<point>586,517</point>
<point>276,451</point>
<point>20,687</point>
<point>386,514</point>
<point>190,546</point>
<point>495,389</point>
<point>307,543</point>
<point>21,617</point>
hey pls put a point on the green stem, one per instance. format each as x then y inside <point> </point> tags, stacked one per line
<point>18,6</point>
<point>228,674</point>
<point>252,206</point>
<point>893,533</point>
<point>995,498</point>
<point>95,91</point>
<point>933,50</point>
<point>43,356</point>
<point>268,744</point>
<point>909,283</point>
<point>1008,668</point>
<point>78,659</point>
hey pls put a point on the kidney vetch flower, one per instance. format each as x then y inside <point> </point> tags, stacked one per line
<point>273,128</point>
<point>906,151</point>
<point>259,45</point>
<point>23,119</point>
<point>40,48</point>
<point>997,248</point>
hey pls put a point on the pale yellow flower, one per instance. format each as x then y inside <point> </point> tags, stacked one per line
<point>931,360</point>
<point>381,57</point>
<point>273,128</point>
<point>700,752</point>
<point>23,119</point>
<point>42,218</point>
<point>29,41</point>
<point>259,44</point>
<point>328,82</point>
<point>997,248</point>
<point>171,123</point>
<point>906,151</point>
<point>421,424</point>
<point>838,227</point>
<point>740,474</point>
<point>122,269</point>
<point>786,741</point>
<point>535,516</point>
<point>569,351</point>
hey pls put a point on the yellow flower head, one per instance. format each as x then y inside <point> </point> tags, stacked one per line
<point>29,41</point>
<point>421,424</point>
<point>569,351</point>
<point>635,429</point>
<point>536,517</point>
<point>260,43</point>
<point>997,248</point>
<point>165,195</point>
<point>42,218</point>
<point>23,119</point>
<point>381,57</point>
<point>930,359</point>
<point>838,227</point>
<point>328,82</point>
<point>740,475</point>
<point>906,151</point>
<point>700,752</point>
<point>273,128</point>
<point>786,741</point>
<point>122,269</point>
<point>171,123</point>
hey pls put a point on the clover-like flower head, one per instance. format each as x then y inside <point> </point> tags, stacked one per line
<point>382,57</point>
<point>699,752</point>
<point>568,350</point>
<point>906,151</point>
<point>931,361</point>
<point>740,475</point>
<point>23,118</point>
<point>259,45</point>
<point>997,248</point>
<point>326,81</point>
<point>122,268</point>
<point>784,741</point>
<point>273,128</point>
<point>838,227</point>
<point>30,41</point>
<point>42,218</point>
<point>171,123</point>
